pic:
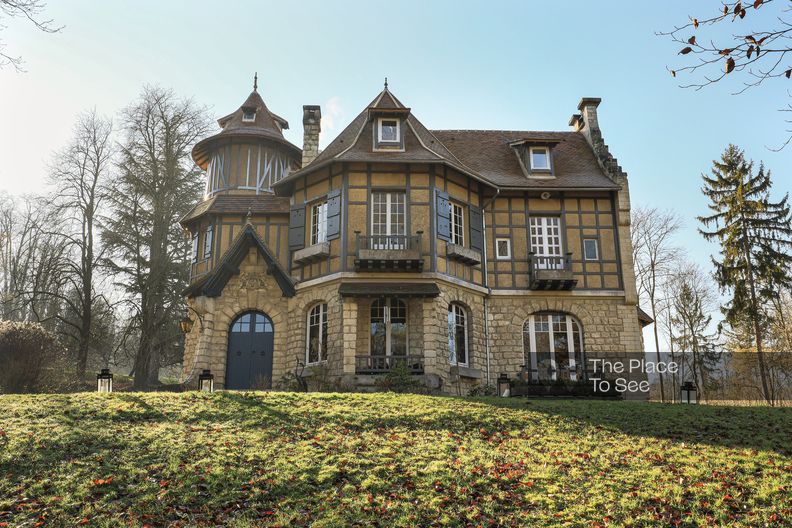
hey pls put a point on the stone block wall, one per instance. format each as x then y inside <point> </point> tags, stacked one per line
<point>610,328</point>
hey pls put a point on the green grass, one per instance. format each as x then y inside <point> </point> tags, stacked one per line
<point>338,460</point>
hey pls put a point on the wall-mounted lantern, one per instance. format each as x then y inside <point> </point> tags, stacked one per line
<point>186,324</point>
<point>504,385</point>
<point>104,381</point>
<point>206,381</point>
<point>688,392</point>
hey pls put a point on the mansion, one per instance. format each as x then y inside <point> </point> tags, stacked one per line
<point>453,255</point>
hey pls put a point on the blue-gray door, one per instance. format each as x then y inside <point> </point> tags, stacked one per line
<point>251,340</point>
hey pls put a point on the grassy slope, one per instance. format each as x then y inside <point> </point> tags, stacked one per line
<point>387,460</point>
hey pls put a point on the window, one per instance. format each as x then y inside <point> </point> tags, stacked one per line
<point>540,158</point>
<point>207,248</point>
<point>553,347</point>
<point>195,247</point>
<point>388,327</point>
<point>590,250</point>
<point>546,241</point>
<point>388,131</point>
<point>457,224</point>
<point>388,220</point>
<point>502,248</point>
<point>319,223</point>
<point>457,335</point>
<point>316,346</point>
<point>248,116</point>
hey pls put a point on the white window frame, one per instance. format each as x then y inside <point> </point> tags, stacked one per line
<point>457,224</point>
<point>391,228</point>
<point>542,230</point>
<point>208,239</point>
<point>453,357</point>
<point>195,247</point>
<point>498,254</point>
<point>322,318</point>
<point>379,130</point>
<point>548,319</point>
<point>246,119</point>
<point>596,249</point>
<point>319,223</point>
<point>531,158</point>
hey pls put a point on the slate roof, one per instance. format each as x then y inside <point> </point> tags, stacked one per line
<point>486,155</point>
<point>354,144</point>
<point>266,125</point>
<point>236,203</point>
<point>488,152</point>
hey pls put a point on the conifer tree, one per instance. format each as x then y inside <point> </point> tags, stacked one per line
<point>754,235</point>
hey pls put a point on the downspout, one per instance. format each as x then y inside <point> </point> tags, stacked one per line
<point>486,282</point>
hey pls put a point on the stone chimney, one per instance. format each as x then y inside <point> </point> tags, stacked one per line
<point>312,125</point>
<point>587,123</point>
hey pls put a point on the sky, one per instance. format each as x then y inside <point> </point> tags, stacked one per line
<point>457,64</point>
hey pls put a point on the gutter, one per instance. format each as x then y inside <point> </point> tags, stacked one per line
<point>486,283</point>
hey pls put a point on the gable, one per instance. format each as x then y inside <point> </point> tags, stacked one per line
<point>213,283</point>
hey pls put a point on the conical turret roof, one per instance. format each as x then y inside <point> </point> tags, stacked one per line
<point>265,125</point>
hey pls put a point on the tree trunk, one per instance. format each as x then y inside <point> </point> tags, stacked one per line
<point>657,345</point>
<point>757,329</point>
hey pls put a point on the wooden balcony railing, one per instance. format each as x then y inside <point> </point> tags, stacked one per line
<point>550,273</point>
<point>383,364</point>
<point>388,252</point>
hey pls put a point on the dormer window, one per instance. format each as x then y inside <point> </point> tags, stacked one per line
<point>540,159</point>
<point>389,130</point>
<point>248,115</point>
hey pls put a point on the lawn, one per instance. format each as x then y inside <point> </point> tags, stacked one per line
<point>338,460</point>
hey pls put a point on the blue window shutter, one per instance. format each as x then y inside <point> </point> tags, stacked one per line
<point>333,214</point>
<point>297,228</point>
<point>443,206</point>
<point>476,229</point>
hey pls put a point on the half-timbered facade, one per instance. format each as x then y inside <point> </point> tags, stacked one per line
<point>457,255</point>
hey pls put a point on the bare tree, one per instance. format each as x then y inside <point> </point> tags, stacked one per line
<point>30,10</point>
<point>692,296</point>
<point>32,261</point>
<point>740,49</point>
<point>157,184</point>
<point>654,255</point>
<point>79,174</point>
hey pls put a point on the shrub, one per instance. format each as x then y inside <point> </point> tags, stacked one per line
<point>399,379</point>
<point>29,356</point>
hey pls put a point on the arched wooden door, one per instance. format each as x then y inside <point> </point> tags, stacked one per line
<point>251,341</point>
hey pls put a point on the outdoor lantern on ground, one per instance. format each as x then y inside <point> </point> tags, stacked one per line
<point>104,381</point>
<point>688,392</point>
<point>504,386</point>
<point>206,381</point>
<point>186,324</point>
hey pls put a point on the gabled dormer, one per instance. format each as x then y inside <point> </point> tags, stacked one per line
<point>389,121</point>
<point>535,156</point>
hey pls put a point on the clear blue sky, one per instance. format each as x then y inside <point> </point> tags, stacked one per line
<point>496,65</point>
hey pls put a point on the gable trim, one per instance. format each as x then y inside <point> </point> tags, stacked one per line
<point>215,281</point>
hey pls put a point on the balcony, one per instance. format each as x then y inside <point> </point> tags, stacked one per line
<point>388,252</point>
<point>384,364</point>
<point>550,273</point>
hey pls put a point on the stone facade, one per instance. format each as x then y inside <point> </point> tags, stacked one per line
<point>265,254</point>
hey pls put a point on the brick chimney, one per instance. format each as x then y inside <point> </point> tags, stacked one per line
<point>312,119</point>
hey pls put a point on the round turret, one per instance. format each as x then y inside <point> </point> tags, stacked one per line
<point>250,153</point>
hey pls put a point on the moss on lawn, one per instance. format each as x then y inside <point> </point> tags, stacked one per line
<point>338,460</point>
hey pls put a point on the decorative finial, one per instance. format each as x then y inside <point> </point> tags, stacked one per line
<point>249,216</point>
<point>386,83</point>
<point>255,81</point>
